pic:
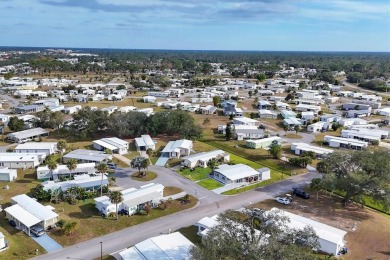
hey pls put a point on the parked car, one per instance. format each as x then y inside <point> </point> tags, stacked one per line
<point>37,230</point>
<point>12,223</point>
<point>111,165</point>
<point>283,200</point>
<point>300,193</point>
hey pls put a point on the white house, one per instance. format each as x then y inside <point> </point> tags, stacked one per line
<point>265,113</point>
<point>133,199</point>
<point>364,134</point>
<point>245,121</point>
<point>384,111</point>
<point>304,108</point>
<point>201,159</point>
<point>27,135</point>
<point>127,109</point>
<point>240,173</point>
<point>71,110</point>
<point>149,99</point>
<point>263,143</point>
<point>300,148</point>
<point>352,121</point>
<point>318,127</point>
<point>21,160</point>
<point>7,174</point>
<point>175,149</point>
<point>3,242</point>
<point>331,239</point>
<point>110,109</point>
<point>27,212</point>
<point>87,156</point>
<point>341,142</point>
<point>37,147</point>
<point>173,246</point>
<point>113,144</point>
<point>44,173</point>
<point>85,181</point>
<point>144,143</point>
<point>307,116</point>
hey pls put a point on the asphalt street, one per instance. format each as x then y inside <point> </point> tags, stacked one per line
<point>116,241</point>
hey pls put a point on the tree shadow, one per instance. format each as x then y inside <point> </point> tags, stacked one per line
<point>86,211</point>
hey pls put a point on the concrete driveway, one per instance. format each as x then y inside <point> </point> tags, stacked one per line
<point>166,177</point>
<point>47,243</point>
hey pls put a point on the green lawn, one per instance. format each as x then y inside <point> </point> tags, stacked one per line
<point>149,176</point>
<point>275,177</point>
<point>256,158</point>
<point>209,184</point>
<point>91,224</point>
<point>190,234</point>
<point>196,175</point>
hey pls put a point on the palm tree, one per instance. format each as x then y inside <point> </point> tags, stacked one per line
<point>116,198</point>
<point>52,165</point>
<point>102,169</point>
<point>316,185</point>
<point>72,165</point>
<point>212,164</point>
<point>62,145</point>
<point>145,164</point>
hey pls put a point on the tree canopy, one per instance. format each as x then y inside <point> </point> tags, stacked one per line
<point>358,175</point>
<point>263,235</point>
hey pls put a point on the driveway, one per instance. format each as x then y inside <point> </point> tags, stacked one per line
<point>47,243</point>
<point>167,177</point>
<point>121,239</point>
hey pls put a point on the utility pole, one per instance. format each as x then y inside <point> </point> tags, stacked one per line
<point>101,250</point>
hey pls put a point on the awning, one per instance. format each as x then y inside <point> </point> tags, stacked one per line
<point>22,215</point>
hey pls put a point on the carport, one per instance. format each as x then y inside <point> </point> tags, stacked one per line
<point>24,220</point>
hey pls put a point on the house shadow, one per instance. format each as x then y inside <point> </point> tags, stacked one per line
<point>387,253</point>
<point>86,211</point>
<point>23,181</point>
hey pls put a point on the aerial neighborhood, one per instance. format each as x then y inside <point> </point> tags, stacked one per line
<point>156,156</point>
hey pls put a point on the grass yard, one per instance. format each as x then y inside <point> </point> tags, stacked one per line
<point>209,184</point>
<point>168,191</point>
<point>21,246</point>
<point>91,224</point>
<point>275,177</point>
<point>149,176</point>
<point>196,175</point>
<point>190,234</point>
<point>293,136</point>
<point>256,158</point>
<point>319,137</point>
<point>370,240</point>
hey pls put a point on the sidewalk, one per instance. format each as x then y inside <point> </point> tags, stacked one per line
<point>121,158</point>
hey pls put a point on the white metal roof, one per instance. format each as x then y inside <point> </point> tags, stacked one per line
<point>36,146</point>
<point>310,148</point>
<point>63,169</point>
<point>89,155</point>
<point>111,143</point>
<point>173,145</point>
<point>172,246</point>
<point>144,140</point>
<point>245,120</point>
<point>22,215</point>
<point>343,140</point>
<point>28,133</point>
<point>236,172</point>
<point>204,156</point>
<point>34,207</point>
<point>268,139</point>
<point>83,181</point>
<point>20,157</point>
<point>323,231</point>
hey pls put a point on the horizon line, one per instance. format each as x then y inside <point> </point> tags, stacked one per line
<point>206,50</point>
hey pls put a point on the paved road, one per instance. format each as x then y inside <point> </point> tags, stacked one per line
<point>13,102</point>
<point>167,177</point>
<point>126,237</point>
<point>363,89</point>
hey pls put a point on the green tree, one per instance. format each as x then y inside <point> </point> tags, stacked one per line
<point>51,165</point>
<point>335,126</point>
<point>62,146</point>
<point>276,151</point>
<point>355,77</point>
<point>216,100</point>
<point>71,165</point>
<point>316,185</point>
<point>285,128</point>
<point>102,169</point>
<point>359,174</point>
<point>261,77</point>
<point>229,131</point>
<point>212,164</point>
<point>70,228</point>
<point>206,121</point>
<point>116,198</point>
<point>296,129</point>
<point>242,236</point>
<point>15,124</point>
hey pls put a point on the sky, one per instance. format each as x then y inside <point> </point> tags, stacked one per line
<point>268,25</point>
